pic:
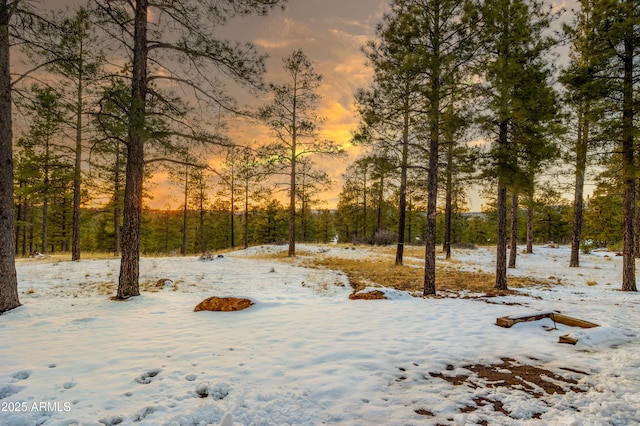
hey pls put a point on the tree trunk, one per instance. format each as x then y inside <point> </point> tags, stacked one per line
<point>25,219</point>
<point>501,243</point>
<point>45,215</point>
<point>233,208</point>
<point>292,205</point>
<point>410,223</point>
<point>628,170</point>
<point>402,204</point>
<point>77,175</point>
<point>183,247</point>
<point>45,199</point>
<point>128,284</point>
<point>432,177</point>
<point>448,208</point>
<point>117,244</point>
<point>364,205</point>
<point>578,197</point>
<point>203,246</point>
<point>292,183</point>
<point>303,218</point>
<point>530,208</point>
<point>380,201</point>
<point>8,280</point>
<point>636,224</point>
<point>513,249</point>
<point>19,224</point>
<point>246,215</point>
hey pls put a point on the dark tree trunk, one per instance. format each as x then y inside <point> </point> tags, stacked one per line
<point>628,170</point>
<point>45,200</point>
<point>25,220</point>
<point>233,209</point>
<point>8,280</point>
<point>117,243</point>
<point>77,175</point>
<point>380,202</point>
<point>246,215</point>
<point>364,205</point>
<point>19,226</point>
<point>578,198</point>
<point>183,247</point>
<point>128,284</point>
<point>292,182</point>
<point>303,219</point>
<point>402,203</point>
<point>636,224</point>
<point>432,176</point>
<point>501,243</point>
<point>292,205</point>
<point>203,246</point>
<point>513,248</point>
<point>45,224</point>
<point>530,225</point>
<point>448,208</point>
<point>409,224</point>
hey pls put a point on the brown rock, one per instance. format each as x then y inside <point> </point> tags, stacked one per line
<point>371,295</point>
<point>223,304</point>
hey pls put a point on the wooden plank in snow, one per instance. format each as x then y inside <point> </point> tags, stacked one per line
<point>508,321</point>
<point>567,339</point>
<point>511,320</point>
<point>572,322</point>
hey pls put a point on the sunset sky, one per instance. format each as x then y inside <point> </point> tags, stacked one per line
<point>331,33</point>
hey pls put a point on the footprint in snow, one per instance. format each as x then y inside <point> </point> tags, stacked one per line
<point>218,392</point>
<point>21,375</point>
<point>8,390</point>
<point>142,414</point>
<point>111,420</point>
<point>145,378</point>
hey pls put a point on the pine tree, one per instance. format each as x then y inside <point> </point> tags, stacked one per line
<point>109,155</point>
<point>71,49</point>
<point>514,47</point>
<point>184,30</point>
<point>425,45</point>
<point>292,117</point>
<point>43,142</point>
<point>9,10</point>
<point>618,33</point>
<point>584,93</point>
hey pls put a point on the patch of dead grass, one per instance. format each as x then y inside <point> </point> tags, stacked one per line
<point>381,271</point>
<point>365,273</point>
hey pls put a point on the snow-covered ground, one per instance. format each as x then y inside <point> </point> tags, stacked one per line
<point>305,354</point>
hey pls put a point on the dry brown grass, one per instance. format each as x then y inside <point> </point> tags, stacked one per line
<point>152,286</point>
<point>363,273</point>
<point>380,271</point>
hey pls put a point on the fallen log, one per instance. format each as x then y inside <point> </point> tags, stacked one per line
<point>556,317</point>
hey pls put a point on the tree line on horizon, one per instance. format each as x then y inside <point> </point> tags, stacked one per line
<point>446,73</point>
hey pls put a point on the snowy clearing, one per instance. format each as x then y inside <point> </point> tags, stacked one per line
<point>305,354</point>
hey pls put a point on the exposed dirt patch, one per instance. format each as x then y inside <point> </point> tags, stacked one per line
<point>534,380</point>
